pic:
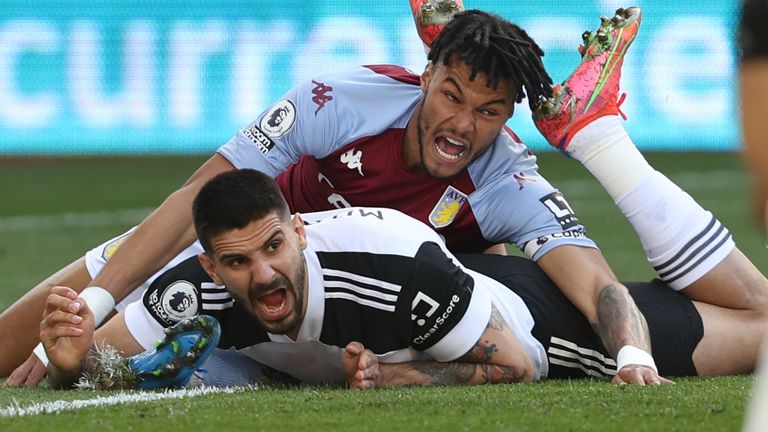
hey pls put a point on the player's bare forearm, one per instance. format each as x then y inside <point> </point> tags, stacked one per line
<point>160,237</point>
<point>165,233</point>
<point>496,357</point>
<point>427,374</point>
<point>619,321</point>
<point>583,275</point>
<point>621,326</point>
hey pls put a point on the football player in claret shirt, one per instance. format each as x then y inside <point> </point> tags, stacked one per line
<point>372,297</point>
<point>435,147</point>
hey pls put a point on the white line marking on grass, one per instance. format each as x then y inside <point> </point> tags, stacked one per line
<point>55,407</point>
<point>72,220</point>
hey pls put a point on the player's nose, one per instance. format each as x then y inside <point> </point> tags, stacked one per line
<point>464,120</point>
<point>262,272</point>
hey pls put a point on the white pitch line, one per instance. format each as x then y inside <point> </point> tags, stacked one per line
<point>55,407</point>
<point>72,220</point>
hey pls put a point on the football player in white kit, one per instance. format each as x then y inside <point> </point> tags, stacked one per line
<point>373,298</point>
<point>473,193</point>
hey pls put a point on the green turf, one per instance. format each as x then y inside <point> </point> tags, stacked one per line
<point>82,188</point>
<point>691,405</point>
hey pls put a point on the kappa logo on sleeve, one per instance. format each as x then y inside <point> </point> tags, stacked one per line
<point>279,119</point>
<point>322,95</point>
<point>522,179</point>
<point>262,141</point>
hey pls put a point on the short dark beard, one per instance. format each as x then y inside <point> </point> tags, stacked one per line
<point>300,291</point>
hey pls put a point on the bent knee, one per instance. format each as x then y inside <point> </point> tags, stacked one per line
<point>735,283</point>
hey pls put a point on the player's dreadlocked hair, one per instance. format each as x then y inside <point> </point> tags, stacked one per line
<point>496,48</point>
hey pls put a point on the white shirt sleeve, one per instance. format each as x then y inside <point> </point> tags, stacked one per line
<point>145,329</point>
<point>467,332</point>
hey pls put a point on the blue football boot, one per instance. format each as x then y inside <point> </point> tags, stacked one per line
<point>186,346</point>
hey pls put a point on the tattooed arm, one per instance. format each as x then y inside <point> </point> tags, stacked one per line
<point>583,275</point>
<point>496,357</point>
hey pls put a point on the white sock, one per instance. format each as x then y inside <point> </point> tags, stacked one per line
<point>605,149</point>
<point>682,241</point>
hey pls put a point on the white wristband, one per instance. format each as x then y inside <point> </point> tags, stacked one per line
<point>39,352</point>
<point>631,355</point>
<point>100,301</point>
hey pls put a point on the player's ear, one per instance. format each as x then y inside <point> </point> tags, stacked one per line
<point>425,77</point>
<point>301,232</point>
<point>209,268</point>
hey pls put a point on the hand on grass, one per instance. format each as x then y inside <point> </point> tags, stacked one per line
<point>29,373</point>
<point>638,374</point>
<point>360,366</point>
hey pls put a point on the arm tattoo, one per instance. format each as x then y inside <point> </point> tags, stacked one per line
<point>446,373</point>
<point>483,351</point>
<point>476,366</point>
<point>502,374</point>
<point>456,373</point>
<point>619,321</point>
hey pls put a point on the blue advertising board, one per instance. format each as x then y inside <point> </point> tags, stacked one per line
<point>180,77</point>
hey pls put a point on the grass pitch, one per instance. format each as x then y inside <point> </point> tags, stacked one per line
<point>53,210</point>
<point>691,405</point>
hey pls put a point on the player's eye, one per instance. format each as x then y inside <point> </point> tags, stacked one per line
<point>274,245</point>
<point>489,113</point>
<point>451,97</point>
<point>236,262</point>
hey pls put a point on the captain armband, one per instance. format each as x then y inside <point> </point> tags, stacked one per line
<point>533,246</point>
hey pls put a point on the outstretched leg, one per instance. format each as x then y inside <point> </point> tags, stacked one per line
<point>688,247</point>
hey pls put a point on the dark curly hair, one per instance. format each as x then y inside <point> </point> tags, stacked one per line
<point>498,49</point>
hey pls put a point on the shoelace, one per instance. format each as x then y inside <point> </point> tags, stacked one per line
<point>622,97</point>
